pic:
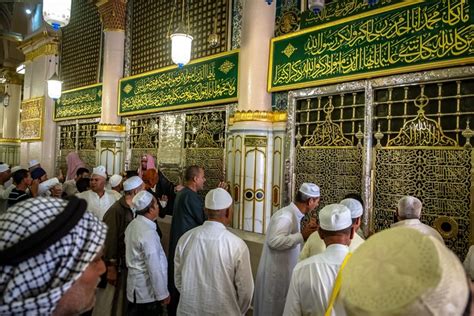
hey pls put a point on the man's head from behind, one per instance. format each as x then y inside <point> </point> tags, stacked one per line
<point>335,224</point>
<point>82,173</point>
<point>401,271</point>
<point>218,204</point>
<point>49,257</point>
<point>194,176</point>
<point>409,207</point>
<point>132,186</point>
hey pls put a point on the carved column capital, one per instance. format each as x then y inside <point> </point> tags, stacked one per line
<point>112,14</point>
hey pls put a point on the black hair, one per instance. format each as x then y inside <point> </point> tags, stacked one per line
<point>83,184</point>
<point>131,173</point>
<point>81,171</point>
<point>355,196</point>
<point>191,172</point>
<point>19,175</point>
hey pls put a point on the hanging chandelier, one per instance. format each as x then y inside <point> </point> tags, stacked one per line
<point>55,85</point>
<point>181,42</point>
<point>57,12</point>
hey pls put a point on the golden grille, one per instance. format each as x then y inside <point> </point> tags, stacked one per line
<point>80,137</point>
<point>329,144</point>
<point>144,139</point>
<point>80,51</point>
<point>204,143</point>
<point>421,151</point>
<point>150,44</point>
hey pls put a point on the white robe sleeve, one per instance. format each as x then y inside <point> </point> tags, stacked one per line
<point>178,266</point>
<point>280,237</point>
<point>469,263</point>
<point>292,304</point>
<point>157,266</point>
<point>244,280</point>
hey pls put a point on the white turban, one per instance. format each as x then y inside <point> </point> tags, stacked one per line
<point>115,180</point>
<point>354,206</point>
<point>310,189</point>
<point>100,171</point>
<point>132,183</point>
<point>218,199</point>
<point>334,217</point>
<point>141,201</point>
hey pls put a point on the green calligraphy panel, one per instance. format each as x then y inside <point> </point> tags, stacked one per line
<point>427,35</point>
<point>79,103</point>
<point>206,81</point>
<point>348,9</point>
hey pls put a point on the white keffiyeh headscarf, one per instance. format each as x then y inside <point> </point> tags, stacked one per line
<point>45,245</point>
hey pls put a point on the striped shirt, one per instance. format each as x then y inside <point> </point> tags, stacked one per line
<point>17,196</point>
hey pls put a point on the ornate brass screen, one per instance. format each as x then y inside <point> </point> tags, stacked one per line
<point>205,145</point>
<point>416,141</point>
<point>329,144</point>
<point>144,138</point>
<point>77,136</point>
<point>421,151</point>
<point>80,51</point>
<point>150,44</point>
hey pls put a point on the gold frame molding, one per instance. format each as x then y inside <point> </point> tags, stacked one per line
<point>116,128</point>
<point>259,116</point>
<point>41,105</point>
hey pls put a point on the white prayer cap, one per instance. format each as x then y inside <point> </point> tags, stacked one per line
<point>334,217</point>
<point>4,167</point>
<point>100,171</point>
<point>115,180</point>
<point>16,168</point>
<point>354,206</point>
<point>409,207</point>
<point>401,271</point>
<point>44,186</point>
<point>132,183</point>
<point>141,200</point>
<point>218,199</point>
<point>310,189</point>
<point>33,163</point>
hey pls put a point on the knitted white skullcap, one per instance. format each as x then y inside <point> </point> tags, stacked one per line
<point>401,271</point>
<point>141,200</point>
<point>132,183</point>
<point>310,189</point>
<point>334,217</point>
<point>33,163</point>
<point>100,171</point>
<point>354,206</point>
<point>16,168</point>
<point>115,180</point>
<point>218,199</point>
<point>4,167</point>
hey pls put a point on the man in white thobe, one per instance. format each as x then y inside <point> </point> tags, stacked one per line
<point>313,279</point>
<point>281,250</point>
<point>147,280</point>
<point>315,245</point>
<point>5,175</point>
<point>99,200</point>
<point>212,265</point>
<point>469,263</point>
<point>409,213</point>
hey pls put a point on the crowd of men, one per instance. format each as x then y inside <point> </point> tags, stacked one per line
<point>90,244</point>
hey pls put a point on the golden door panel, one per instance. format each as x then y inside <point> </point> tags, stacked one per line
<point>422,149</point>
<point>329,144</point>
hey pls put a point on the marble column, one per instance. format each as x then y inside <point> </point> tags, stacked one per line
<point>110,132</point>
<point>9,143</point>
<point>255,144</point>
<point>41,53</point>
